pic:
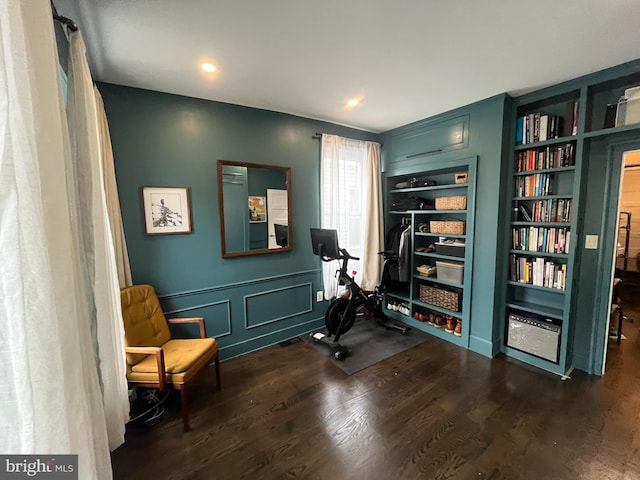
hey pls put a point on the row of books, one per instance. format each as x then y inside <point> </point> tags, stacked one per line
<point>538,127</point>
<point>541,239</point>
<point>534,185</point>
<point>544,158</point>
<point>538,271</point>
<point>550,210</point>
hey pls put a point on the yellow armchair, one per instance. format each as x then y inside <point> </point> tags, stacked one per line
<point>156,360</point>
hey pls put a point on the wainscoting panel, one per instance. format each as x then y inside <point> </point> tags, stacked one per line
<point>270,306</point>
<point>217,319</point>
<point>248,316</point>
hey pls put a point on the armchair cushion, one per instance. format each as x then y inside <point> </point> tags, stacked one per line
<point>144,322</point>
<point>182,358</point>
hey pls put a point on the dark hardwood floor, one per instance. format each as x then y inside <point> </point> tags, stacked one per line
<point>435,411</point>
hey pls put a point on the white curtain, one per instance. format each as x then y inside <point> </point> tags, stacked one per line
<point>351,203</point>
<point>96,251</point>
<point>373,221</point>
<point>50,384</point>
<point>113,200</point>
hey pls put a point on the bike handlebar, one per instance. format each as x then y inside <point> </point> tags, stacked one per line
<point>345,256</point>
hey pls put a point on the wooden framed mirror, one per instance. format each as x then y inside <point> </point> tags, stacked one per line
<point>254,202</point>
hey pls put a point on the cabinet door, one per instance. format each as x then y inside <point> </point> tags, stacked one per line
<point>430,139</point>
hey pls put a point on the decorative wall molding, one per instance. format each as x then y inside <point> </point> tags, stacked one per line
<point>218,288</point>
<point>247,299</point>
<point>226,302</point>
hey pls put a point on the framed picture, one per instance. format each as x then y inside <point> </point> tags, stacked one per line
<point>257,209</point>
<point>166,210</point>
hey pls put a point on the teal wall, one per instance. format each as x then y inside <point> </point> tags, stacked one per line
<point>486,124</point>
<point>168,140</point>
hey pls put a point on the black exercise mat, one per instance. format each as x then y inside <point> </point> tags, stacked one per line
<point>368,343</point>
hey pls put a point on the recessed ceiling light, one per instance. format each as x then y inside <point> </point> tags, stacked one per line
<point>208,67</point>
<point>353,102</point>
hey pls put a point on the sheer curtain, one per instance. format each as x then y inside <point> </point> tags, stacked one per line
<point>97,254</point>
<point>50,383</point>
<point>112,198</point>
<point>351,203</point>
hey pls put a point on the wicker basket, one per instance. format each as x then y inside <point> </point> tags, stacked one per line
<point>426,270</point>
<point>450,227</point>
<point>461,177</point>
<point>448,299</point>
<point>451,203</point>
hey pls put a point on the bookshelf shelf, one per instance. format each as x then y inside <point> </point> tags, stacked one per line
<point>435,280</point>
<point>541,197</point>
<point>610,131</point>
<point>428,189</point>
<point>553,141</point>
<point>541,224</point>
<point>537,309</point>
<point>545,170</point>
<point>437,235</point>
<point>537,287</point>
<point>439,256</point>
<point>531,253</point>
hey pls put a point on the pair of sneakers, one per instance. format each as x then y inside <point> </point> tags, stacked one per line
<point>399,307</point>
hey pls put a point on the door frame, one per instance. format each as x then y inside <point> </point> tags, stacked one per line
<point>607,257</point>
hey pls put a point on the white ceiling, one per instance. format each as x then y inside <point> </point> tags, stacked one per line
<point>406,59</point>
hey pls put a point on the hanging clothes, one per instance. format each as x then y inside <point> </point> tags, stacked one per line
<point>404,255</point>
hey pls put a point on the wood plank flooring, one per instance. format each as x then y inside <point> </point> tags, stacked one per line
<point>434,412</point>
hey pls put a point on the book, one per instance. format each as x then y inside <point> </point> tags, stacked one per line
<point>519,130</point>
<point>544,127</point>
<point>525,214</point>
<point>610,116</point>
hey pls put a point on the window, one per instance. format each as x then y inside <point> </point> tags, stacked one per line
<point>346,202</point>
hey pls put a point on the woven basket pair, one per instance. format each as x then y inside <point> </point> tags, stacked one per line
<point>451,227</point>
<point>451,203</point>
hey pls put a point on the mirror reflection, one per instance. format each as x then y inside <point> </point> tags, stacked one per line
<point>255,208</point>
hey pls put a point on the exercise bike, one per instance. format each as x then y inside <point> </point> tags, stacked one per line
<point>342,312</point>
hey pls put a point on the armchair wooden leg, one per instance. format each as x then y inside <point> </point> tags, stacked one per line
<point>217,362</point>
<point>185,408</point>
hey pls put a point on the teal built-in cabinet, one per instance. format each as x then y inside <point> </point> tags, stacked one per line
<point>470,139</point>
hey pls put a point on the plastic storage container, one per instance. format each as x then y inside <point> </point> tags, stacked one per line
<point>450,271</point>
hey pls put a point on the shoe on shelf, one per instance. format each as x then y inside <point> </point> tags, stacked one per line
<point>440,321</point>
<point>450,324</point>
<point>458,330</point>
<point>431,319</point>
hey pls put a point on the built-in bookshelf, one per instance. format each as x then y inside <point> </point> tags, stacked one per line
<point>542,212</point>
<point>555,132</point>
